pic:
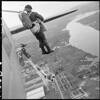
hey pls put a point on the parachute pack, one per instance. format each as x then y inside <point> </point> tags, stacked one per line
<point>28,24</point>
<point>25,20</point>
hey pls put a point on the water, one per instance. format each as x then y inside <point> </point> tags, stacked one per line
<point>82,36</point>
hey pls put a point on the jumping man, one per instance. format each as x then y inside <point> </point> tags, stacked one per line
<point>37,18</point>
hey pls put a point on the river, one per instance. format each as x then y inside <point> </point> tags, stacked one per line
<point>83,36</point>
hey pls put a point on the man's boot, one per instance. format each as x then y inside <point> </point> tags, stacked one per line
<point>42,48</point>
<point>48,48</point>
<point>43,51</point>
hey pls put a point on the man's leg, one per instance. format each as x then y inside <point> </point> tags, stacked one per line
<point>45,43</point>
<point>47,46</point>
<point>41,45</point>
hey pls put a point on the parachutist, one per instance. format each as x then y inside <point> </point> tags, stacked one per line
<point>34,21</point>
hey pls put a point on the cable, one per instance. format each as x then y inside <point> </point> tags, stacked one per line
<point>11,11</point>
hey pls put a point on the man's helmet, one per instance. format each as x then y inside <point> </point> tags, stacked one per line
<point>28,6</point>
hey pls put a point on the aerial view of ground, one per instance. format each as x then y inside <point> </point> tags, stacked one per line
<point>75,61</point>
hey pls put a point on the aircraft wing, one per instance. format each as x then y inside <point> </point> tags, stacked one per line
<point>45,21</point>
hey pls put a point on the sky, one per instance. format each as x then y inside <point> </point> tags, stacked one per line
<point>45,8</point>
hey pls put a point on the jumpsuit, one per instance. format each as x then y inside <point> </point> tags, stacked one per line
<point>40,35</point>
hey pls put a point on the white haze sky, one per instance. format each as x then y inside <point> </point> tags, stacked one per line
<point>45,8</point>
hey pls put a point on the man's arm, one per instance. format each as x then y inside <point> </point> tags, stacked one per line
<point>39,16</point>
